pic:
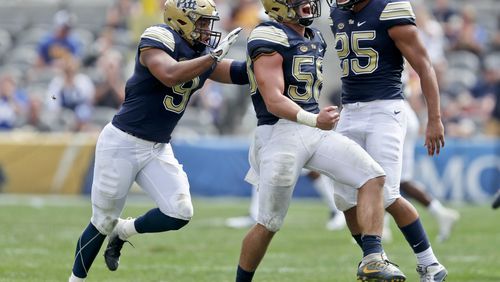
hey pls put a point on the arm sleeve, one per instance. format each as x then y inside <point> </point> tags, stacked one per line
<point>238,72</point>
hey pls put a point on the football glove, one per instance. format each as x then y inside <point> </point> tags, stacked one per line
<point>221,51</point>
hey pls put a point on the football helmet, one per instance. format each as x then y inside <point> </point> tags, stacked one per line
<point>343,4</point>
<point>286,10</point>
<point>193,20</point>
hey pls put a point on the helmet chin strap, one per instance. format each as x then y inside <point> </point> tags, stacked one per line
<point>306,22</point>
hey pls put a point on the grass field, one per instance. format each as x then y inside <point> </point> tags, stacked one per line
<point>38,237</point>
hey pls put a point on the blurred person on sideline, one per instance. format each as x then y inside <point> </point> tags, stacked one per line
<point>285,71</point>
<point>372,40</point>
<point>60,43</point>
<point>72,92</point>
<point>173,61</point>
<point>14,103</point>
<point>110,88</point>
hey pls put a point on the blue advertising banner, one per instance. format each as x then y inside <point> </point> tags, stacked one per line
<point>466,170</point>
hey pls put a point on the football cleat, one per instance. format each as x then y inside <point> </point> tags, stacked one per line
<point>114,247</point>
<point>336,222</point>
<point>446,219</point>
<point>496,200</point>
<point>379,270</point>
<point>432,273</point>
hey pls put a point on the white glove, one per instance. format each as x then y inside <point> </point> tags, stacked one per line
<point>221,51</point>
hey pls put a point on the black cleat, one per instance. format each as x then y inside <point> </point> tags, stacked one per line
<point>112,253</point>
<point>496,201</point>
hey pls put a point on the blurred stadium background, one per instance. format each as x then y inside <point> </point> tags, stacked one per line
<point>54,99</point>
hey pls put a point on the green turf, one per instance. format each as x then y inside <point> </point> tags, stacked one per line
<point>38,237</point>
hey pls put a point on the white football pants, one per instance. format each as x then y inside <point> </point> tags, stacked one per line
<point>379,127</point>
<point>121,159</point>
<point>280,151</point>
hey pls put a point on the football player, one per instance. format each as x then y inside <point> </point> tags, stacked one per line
<point>173,61</point>
<point>285,71</point>
<point>371,39</point>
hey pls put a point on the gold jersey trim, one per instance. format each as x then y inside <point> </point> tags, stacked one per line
<point>397,10</point>
<point>161,35</point>
<point>271,34</point>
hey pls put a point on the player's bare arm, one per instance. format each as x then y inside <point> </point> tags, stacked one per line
<point>270,80</point>
<point>231,72</point>
<point>170,71</point>
<point>408,42</point>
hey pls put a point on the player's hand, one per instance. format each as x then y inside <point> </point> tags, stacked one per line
<point>434,137</point>
<point>221,51</point>
<point>327,118</point>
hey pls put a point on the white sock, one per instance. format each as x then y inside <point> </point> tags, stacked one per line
<point>128,229</point>
<point>426,257</point>
<point>435,207</point>
<point>73,278</point>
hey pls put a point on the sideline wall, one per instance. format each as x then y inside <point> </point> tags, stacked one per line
<point>467,170</point>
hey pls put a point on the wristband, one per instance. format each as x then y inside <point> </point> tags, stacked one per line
<point>307,118</point>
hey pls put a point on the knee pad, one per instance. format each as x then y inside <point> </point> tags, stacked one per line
<point>183,207</point>
<point>105,213</point>
<point>282,170</point>
<point>271,223</point>
<point>104,223</point>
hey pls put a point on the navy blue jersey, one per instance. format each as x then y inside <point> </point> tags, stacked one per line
<point>151,109</point>
<point>302,65</point>
<point>370,61</point>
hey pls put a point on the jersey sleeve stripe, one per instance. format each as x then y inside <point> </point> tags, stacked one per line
<point>161,35</point>
<point>397,10</point>
<point>271,34</point>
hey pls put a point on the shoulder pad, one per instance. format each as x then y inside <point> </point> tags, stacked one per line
<point>397,10</point>
<point>270,34</point>
<point>160,34</point>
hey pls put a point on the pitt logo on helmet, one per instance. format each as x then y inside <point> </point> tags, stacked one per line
<point>186,4</point>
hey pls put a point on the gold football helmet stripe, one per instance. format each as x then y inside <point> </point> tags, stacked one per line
<point>161,35</point>
<point>271,34</point>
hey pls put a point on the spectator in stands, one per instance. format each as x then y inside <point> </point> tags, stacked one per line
<point>469,35</point>
<point>245,14</point>
<point>60,43</point>
<point>495,41</point>
<point>433,37</point>
<point>110,89</point>
<point>446,15</point>
<point>73,91</point>
<point>13,103</point>
<point>487,95</point>
<point>119,14</point>
<point>35,120</point>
